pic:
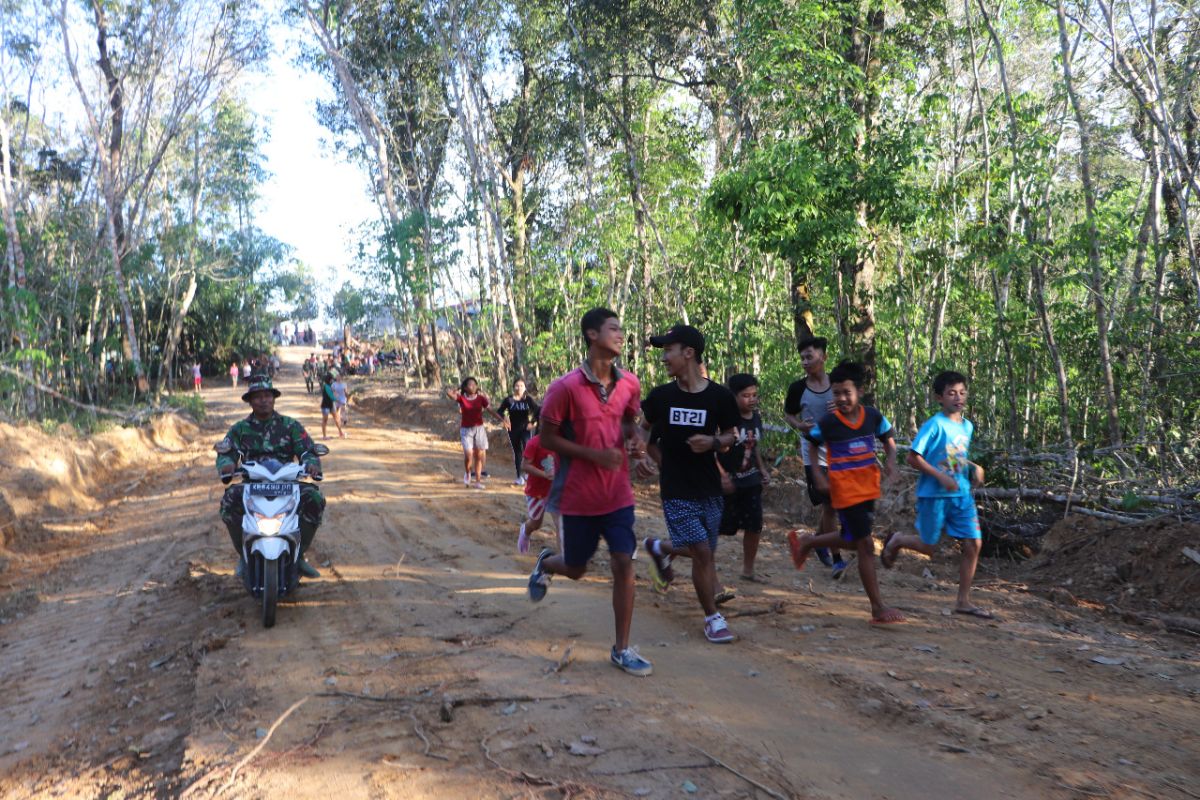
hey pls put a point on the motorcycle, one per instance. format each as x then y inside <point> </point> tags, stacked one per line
<point>271,526</point>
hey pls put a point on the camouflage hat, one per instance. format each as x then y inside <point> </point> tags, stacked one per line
<point>259,383</point>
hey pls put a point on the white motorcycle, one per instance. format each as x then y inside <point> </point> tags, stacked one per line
<point>271,526</point>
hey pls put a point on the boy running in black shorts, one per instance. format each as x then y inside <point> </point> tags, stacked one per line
<point>690,418</point>
<point>853,481</point>
<point>743,475</point>
<point>809,399</point>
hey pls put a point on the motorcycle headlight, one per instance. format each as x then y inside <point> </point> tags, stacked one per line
<point>269,526</point>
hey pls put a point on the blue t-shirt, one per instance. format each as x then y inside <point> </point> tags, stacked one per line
<point>944,443</point>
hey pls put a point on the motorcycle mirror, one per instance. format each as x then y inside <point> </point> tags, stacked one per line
<point>223,446</point>
<point>320,450</point>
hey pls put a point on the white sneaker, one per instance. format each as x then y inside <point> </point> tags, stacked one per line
<point>523,540</point>
<point>466,479</point>
<point>717,631</point>
<point>521,481</point>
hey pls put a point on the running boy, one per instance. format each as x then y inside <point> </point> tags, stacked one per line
<point>589,418</point>
<point>853,481</point>
<point>692,418</point>
<point>944,502</point>
<point>743,475</point>
<point>809,399</point>
<point>538,464</point>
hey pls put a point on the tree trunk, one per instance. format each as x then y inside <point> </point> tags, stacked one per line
<point>1089,200</point>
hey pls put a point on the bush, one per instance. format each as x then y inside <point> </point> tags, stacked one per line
<point>190,403</point>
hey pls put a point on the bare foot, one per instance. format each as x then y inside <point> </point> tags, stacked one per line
<point>887,616</point>
<point>888,559</point>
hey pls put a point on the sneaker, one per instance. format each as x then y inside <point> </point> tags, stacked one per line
<point>466,479</point>
<point>523,540</point>
<point>521,481</point>
<point>307,570</point>
<point>839,569</point>
<point>631,661</point>
<point>478,485</point>
<point>539,581</point>
<point>717,631</point>
<point>661,573</point>
<point>824,555</point>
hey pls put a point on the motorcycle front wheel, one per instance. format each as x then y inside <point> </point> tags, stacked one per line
<point>270,591</point>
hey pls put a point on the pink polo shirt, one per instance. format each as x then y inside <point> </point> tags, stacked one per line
<point>573,403</point>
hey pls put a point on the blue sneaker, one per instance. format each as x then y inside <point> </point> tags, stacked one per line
<point>823,554</point>
<point>839,569</point>
<point>539,580</point>
<point>631,661</point>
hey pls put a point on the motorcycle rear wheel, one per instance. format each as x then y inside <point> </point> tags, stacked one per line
<point>270,591</point>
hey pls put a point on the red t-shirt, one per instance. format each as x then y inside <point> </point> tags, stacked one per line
<point>573,403</point>
<point>543,459</point>
<point>472,409</point>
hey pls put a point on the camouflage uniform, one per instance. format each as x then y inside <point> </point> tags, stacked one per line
<point>277,437</point>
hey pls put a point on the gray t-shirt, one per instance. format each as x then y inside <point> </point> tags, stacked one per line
<point>804,403</point>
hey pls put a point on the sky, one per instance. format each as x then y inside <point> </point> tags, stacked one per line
<point>314,198</point>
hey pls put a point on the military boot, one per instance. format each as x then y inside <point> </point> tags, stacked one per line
<point>307,532</point>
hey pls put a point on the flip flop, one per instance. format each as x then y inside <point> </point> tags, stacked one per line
<point>898,620</point>
<point>798,559</point>
<point>888,562</point>
<point>977,612</point>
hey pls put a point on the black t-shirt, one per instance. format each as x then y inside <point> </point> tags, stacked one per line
<point>741,461</point>
<point>519,411</point>
<point>675,416</point>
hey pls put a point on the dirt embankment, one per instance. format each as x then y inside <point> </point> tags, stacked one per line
<point>55,485</point>
<point>1141,567</point>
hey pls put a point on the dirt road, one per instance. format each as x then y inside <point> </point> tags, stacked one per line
<point>416,667</point>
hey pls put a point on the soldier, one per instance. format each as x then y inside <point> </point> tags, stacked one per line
<point>310,372</point>
<point>266,434</point>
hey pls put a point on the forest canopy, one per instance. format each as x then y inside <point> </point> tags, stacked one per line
<point>1004,189</point>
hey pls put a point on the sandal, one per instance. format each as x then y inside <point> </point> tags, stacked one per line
<point>724,596</point>
<point>890,617</point>
<point>975,611</point>
<point>794,544</point>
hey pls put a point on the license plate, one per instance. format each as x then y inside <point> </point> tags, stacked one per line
<point>271,489</point>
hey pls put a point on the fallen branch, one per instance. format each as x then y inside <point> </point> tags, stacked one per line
<point>1043,496</point>
<point>270,731</point>
<point>568,788</point>
<point>41,387</point>
<point>449,703</point>
<point>425,739</point>
<point>371,698</point>
<point>767,789</point>
<point>567,657</point>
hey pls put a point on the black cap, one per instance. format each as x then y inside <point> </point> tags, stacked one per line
<point>685,335</point>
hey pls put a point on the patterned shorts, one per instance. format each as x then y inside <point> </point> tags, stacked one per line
<point>694,521</point>
<point>535,507</point>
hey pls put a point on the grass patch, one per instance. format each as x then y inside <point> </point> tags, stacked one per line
<point>190,403</point>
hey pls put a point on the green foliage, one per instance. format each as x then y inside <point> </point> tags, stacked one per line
<point>190,403</point>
